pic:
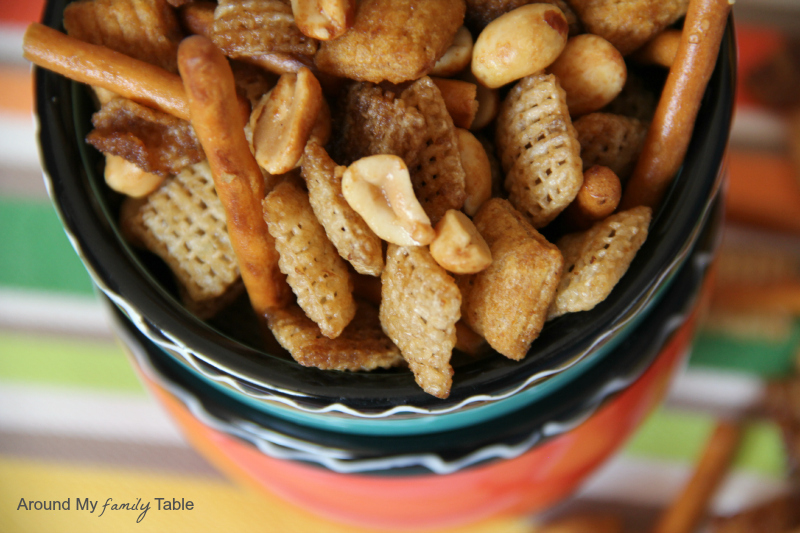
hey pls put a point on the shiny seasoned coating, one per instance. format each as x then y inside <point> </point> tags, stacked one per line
<point>628,24</point>
<point>613,141</point>
<point>538,149</point>
<point>420,305</point>
<point>147,30</point>
<point>482,12</point>
<point>253,28</point>
<point>596,259</point>
<point>414,126</point>
<point>361,346</point>
<point>316,273</point>
<point>154,141</point>
<point>345,228</point>
<point>392,40</point>
<point>183,222</point>
<point>507,303</point>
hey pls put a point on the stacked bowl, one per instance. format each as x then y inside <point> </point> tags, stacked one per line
<point>511,437</point>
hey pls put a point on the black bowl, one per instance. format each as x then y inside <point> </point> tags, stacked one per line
<point>444,452</point>
<point>146,293</point>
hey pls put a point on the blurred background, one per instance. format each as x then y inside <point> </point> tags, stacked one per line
<point>75,422</point>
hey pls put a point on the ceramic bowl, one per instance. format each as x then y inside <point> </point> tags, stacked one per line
<point>491,386</point>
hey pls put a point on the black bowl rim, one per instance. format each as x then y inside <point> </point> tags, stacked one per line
<point>449,451</point>
<point>562,343</point>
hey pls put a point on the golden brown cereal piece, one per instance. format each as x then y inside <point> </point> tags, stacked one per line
<point>417,127</point>
<point>482,12</point>
<point>253,28</point>
<point>420,305</point>
<point>183,222</point>
<point>154,141</point>
<point>345,228</point>
<point>316,273</point>
<point>596,259</point>
<point>147,30</point>
<point>361,346</point>
<point>507,303</point>
<point>613,141</point>
<point>392,40</point>
<point>635,100</point>
<point>630,24</point>
<point>538,149</point>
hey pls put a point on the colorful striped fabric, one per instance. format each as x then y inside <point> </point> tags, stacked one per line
<point>76,424</point>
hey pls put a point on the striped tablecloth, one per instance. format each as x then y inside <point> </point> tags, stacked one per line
<point>76,424</point>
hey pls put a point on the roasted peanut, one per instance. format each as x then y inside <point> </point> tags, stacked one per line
<point>488,102</point>
<point>457,57</point>
<point>323,19</point>
<point>519,43</point>
<point>285,121</point>
<point>477,171</point>
<point>459,99</point>
<point>127,178</point>
<point>591,71</point>
<point>660,50</point>
<point>597,198</point>
<point>379,189</point>
<point>458,247</point>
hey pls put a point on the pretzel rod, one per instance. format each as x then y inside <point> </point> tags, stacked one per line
<point>687,510</point>
<point>142,82</point>
<point>238,180</point>
<point>671,128</point>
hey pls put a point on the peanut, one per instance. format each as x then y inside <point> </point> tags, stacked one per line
<point>127,178</point>
<point>477,171</point>
<point>285,120</point>
<point>458,247</point>
<point>457,57</point>
<point>519,43</point>
<point>591,71</point>
<point>323,19</point>
<point>379,189</point>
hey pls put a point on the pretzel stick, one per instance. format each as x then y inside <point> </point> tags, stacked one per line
<point>687,510</point>
<point>671,129</point>
<point>238,180</point>
<point>142,82</point>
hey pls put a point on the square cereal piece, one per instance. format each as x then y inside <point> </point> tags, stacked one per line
<point>316,273</point>
<point>420,305</point>
<point>613,141</point>
<point>507,303</point>
<point>596,259</point>
<point>252,28</point>
<point>415,126</point>
<point>345,228</point>
<point>147,30</point>
<point>628,24</point>
<point>183,222</point>
<point>362,345</point>
<point>538,149</point>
